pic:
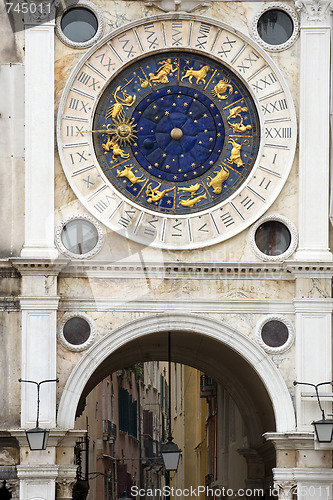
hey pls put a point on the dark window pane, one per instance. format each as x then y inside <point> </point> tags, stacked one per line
<point>275,27</point>
<point>76,331</point>
<point>274,333</point>
<point>79,24</point>
<point>273,238</point>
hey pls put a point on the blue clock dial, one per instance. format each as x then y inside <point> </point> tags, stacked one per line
<point>177,133</point>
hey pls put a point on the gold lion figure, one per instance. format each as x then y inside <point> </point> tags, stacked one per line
<point>199,74</point>
<point>220,89</point>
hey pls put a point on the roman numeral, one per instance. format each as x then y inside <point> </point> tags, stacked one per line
<point>72,130</point>
<point>177,228</point>
<point>80,155</point>
<point>127,46</point>
<point>247,203</point>
<point>103,204</point>
<point>177,36</point>
<point>125,221</point>
<point>85,79</point>
<point>263,182</point>
<point>78,105</point>
<point>229,44</point>
<point>203,35</point>
<point>271,107</point>
<point>249,61</point>
<point>264,82</point>
<point>227,219</point>
<point>108,62</point>
<point>280,133</point>
<point>151,38</point>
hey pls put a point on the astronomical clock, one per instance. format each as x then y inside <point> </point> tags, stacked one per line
<point>177,133</point>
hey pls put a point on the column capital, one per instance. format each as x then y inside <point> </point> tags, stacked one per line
<point>314,13</point>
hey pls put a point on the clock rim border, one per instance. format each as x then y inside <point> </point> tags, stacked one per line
<point>217,24</point>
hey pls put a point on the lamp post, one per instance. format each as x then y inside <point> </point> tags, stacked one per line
<point>323,428</point>
<point>37,437</point>
<point>170,451</point>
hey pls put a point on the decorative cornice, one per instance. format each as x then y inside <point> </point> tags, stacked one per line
<point>314,12</point>
<point>291,440</point>
<point>278,270</point>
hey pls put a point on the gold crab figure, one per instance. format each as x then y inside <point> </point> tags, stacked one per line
<point>154,195</point>
<point>117,109</point>
<point>220,89</point>
<point>238,127</point>
<point>161,75</point>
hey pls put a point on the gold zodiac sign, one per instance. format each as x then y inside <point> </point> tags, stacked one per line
<point>217,181</point>
<point>191,189</point>
<point>127,172</point>
<point>221,88</point>
<point>117,109</point>
<point>199,74</point>
<point>238,126</point>
<point>161,75</point>
<point>235,156</point>
<point>192,201</point>
<point>116,150</point>
<point>154,195</point>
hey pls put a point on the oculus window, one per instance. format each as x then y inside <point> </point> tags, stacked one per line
<point>273,237</point>
<point>276,26</point>
<point>275,334</point>
<point>76,331</point>
<point>79,237</point>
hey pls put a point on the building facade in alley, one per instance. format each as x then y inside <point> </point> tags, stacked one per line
<point>165,172</point>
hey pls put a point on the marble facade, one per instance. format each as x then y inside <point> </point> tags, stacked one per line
<point>214,298</point>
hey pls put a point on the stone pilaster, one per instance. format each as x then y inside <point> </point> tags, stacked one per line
<point>314,131</point>
<point>39,135</point>
<point>13,486</point>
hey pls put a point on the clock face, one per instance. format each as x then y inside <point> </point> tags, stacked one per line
<point>171,147</point>
<point>176,133</point>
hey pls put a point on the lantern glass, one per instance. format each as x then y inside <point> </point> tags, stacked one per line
<point>37,438</point>
<point>170,454</point>
<point>324,430</point>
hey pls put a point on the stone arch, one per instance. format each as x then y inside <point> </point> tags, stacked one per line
<point>208,329</point>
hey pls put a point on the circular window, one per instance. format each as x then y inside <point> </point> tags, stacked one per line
<point>273,238</point>
<point>276,26</point>
<point>80,24</point>
<point>76,331</point>
<point>274,334</point>
<point>79,236</point>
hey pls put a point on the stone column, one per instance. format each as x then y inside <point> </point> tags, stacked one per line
<point>39,134</point>
<point>314,131</point>
<point>37,481</point>
<point>65,488</point>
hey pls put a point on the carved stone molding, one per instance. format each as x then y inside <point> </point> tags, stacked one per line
<point>178,5</point>
<point>13,486</point>
<point>314,12</point>
<point>286,489</point>
<point>65,487</point>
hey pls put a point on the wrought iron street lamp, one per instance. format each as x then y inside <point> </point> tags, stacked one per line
<point>323,428</point>
<point>37,437</point>
<point>170,451</point>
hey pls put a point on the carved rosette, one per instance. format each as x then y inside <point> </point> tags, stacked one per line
<point>286,489</point>
<point>65,487</point>
<point>314,12</point>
